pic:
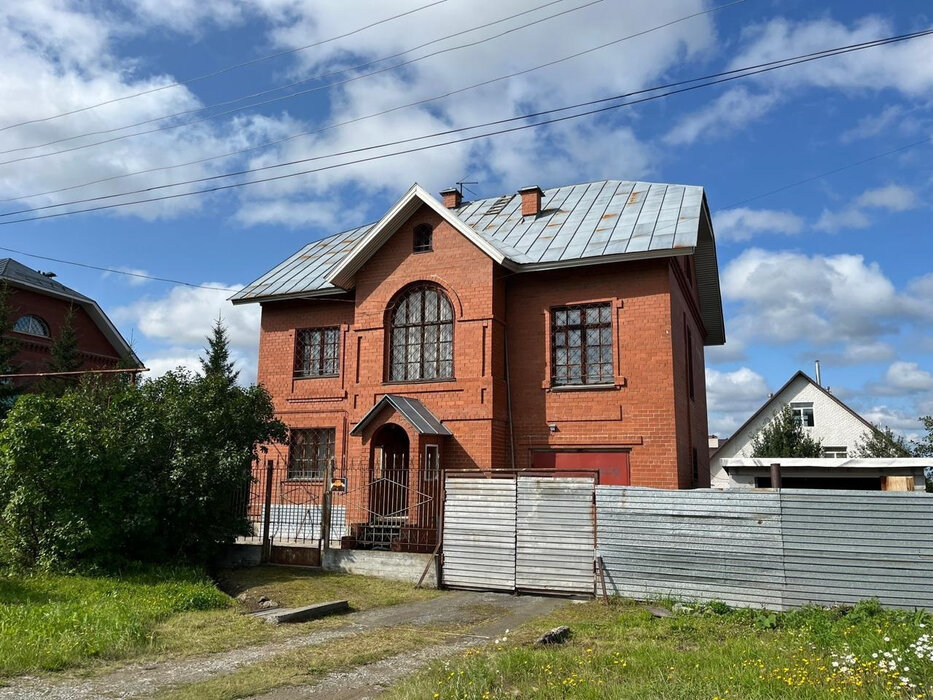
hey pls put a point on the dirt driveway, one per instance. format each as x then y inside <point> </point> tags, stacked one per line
<point>503,611</point>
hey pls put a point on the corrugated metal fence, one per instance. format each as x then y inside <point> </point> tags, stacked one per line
<point>768,549</point>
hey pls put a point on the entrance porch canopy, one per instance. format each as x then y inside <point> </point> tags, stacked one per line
<point>415,412</point>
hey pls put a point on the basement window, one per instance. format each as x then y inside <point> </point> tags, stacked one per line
<point>424,239</point>
<point>803,413</point>
<point>310,453</point>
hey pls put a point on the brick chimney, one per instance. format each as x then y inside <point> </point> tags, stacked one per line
<point>531,200</point>
<point>452,197</point>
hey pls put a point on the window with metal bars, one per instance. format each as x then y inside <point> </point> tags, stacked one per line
<point>317,352</point>
<point>581,345</point>
<point>424,238</point>
<point>421,336</point>
<point>310,452</point>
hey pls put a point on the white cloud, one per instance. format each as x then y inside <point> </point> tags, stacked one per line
<point>888,417</point>
<point>180,321</point>
<point>905,378</point>
<point>785,297</point>
<point>742,224</point>
<point>904,67</point>
<point>872,124</point>
<point>832,221</point>
<point>739,392</point>
<point>891,197</point>
<point>732,110</point>
<point>858,353</point>
<point>132,277</point>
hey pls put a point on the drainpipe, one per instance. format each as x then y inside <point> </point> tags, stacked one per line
<point>508,398</point>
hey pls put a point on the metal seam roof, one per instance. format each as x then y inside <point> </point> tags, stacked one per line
<point>578,224</point>
<point>412,410</point>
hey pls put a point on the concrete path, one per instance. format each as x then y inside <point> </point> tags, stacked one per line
<point>139,680</point>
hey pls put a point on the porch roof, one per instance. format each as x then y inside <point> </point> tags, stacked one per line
<point>412,410</point>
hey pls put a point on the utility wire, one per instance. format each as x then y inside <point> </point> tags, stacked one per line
<point>299,134</point>
<point>226,69</point>
<point>119,272</point>
<point>262,93</point>
<point>825,173</point>
<point>299,93</point>
<point>723,77</point>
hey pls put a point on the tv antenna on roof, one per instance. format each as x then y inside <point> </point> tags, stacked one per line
<point>461,187</point>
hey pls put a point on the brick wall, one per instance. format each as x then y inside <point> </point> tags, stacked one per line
<point>96,350</point>
<point>494,308</point>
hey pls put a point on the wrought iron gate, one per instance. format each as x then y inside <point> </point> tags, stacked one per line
<point>528,533</point>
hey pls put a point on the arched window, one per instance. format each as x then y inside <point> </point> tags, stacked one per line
<point>421,335</point>
<point>33,325</point>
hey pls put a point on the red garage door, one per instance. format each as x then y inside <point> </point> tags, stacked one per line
<point>613,467</point>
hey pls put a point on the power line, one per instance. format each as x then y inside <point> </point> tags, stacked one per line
<point>226,69</point>
<point>169,127</point>
<point>826,173</point>
<point>115,271</point>
<point>262,93</point>
<point>389,110</point>
<point>725,76</point>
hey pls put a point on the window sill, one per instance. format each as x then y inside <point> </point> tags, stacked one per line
<point>306,479</point>
<point>396,382</point>
<point>584,387</point>
<point>316,376</point>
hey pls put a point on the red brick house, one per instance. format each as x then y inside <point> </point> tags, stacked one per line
<point>38,307</point>
<point>560,329</point>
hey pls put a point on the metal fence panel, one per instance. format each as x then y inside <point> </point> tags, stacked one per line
<point>697,545</point>
<point>479,533</point>
<point>768,549</point>
<point>851,545</point>
<point>555,537</point>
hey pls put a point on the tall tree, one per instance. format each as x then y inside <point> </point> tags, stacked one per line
<point>9,346</point>
<point>882,442</point>
<point>217,362</point>
<point>784,436</point>
<point>65,357</point>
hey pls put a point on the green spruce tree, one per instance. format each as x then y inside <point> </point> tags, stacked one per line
<point>216,362</point>
<point>9,347</point>
<point>784,436</point>
<point>65,357</point>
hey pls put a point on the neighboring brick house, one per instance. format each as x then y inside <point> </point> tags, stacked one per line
<point>560,329</point>
<point>38,307</point>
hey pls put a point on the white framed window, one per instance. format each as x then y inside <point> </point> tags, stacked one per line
<point>836,452</point>
<point>803,413</point>
<point>432,462</point>
<point>32,325</point>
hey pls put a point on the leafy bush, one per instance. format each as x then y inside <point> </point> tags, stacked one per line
<point>112,472</point>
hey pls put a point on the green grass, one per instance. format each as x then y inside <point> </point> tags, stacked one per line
<point>50,622</point>
<point>53,622</point>
<point>622,651</point>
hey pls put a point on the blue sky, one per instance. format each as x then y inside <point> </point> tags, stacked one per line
<point>837,269</point>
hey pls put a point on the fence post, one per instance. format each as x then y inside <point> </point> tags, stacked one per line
<point>776,475</point>
<point>267,514</point>
<point>325,506</point>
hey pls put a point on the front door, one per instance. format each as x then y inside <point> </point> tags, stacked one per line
<point>388,491</point>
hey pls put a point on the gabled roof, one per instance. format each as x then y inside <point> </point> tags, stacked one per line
<point>18,275</point>
<point>776,402</point>
<point>587,224</point>
<point>412,410</point>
